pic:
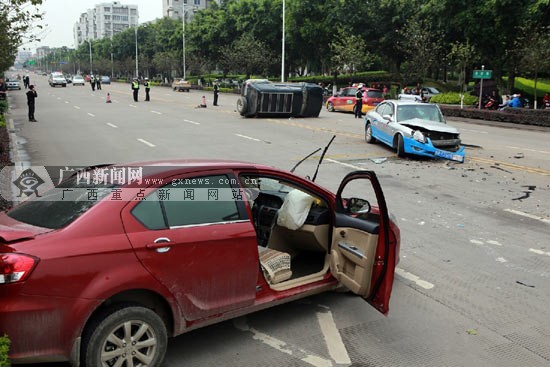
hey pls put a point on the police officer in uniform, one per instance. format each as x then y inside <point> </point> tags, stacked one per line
<point>359,103</point>
<point>216,91</point>
<point>135,89</point>
<point>147,86</point>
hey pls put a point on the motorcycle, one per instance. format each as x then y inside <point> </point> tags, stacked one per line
<point>490,103</point>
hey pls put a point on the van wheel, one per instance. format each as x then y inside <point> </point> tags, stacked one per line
<point>330,107</point>
<point>127,335</point>
<point>242,106</point>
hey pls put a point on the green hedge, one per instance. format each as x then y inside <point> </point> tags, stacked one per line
<point>453,98</point>
<point>521,116</point>
<point>4,349</point>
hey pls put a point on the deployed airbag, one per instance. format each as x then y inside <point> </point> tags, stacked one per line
<point>293,213</point>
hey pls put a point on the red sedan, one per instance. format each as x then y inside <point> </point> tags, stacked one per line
<point>103,270</point>
<point>345,100</point>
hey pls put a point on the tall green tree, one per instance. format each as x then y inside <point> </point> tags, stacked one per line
<point>17,19</point>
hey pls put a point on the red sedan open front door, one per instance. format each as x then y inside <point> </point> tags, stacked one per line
<point>362,253</point>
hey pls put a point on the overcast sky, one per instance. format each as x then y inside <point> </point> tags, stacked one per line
<point>61,15</point>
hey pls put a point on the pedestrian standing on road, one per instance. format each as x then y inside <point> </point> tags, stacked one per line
<point>92,82</point>
<point>359,103</point>
<point>147,86</point>
<point>216,91</point>
<point>31,96</point>
<point>98,82</point>
<point>135,89</point>
<point>26,81</point>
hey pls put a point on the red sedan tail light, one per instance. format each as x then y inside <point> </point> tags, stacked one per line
<point>16,267</point>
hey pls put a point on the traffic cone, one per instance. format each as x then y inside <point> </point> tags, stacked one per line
<point>108,98</point>
<point>203,102</point>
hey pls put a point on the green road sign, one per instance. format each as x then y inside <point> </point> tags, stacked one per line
<point>483,74</point>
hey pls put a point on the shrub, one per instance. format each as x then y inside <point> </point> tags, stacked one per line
<point>4,349</point>
<point>521,116</point>
<point>453,98</point>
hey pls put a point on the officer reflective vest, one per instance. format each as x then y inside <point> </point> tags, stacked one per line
<point>146,85</point>
<point>135,85</point>
<point>359,94</point>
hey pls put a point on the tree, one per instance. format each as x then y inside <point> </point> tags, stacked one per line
<point>536,54</point>
<point>16,19</point>
<point>246,54</point>
<point>348,54</point>
<point>462,55</point>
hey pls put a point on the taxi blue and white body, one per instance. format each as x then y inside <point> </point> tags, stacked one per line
<point>413,128</point>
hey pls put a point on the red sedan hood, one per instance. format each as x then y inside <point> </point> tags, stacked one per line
<point>12,230</point>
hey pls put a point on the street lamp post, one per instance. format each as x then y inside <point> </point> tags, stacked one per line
<point>183,38</point>
<point>91,65</point>
<point>137,70</point>
<point>283,47</point>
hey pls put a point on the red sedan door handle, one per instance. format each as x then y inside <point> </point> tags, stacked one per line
<point>160,245</point>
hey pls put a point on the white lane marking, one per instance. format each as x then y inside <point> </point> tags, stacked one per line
<point>146,143</point>
<point>501,260</point>
<point>282,346</point>
<point>112,125</point>
<point>539,252</point>
<point>91,114</point>
<point>493,242</point>
<point>192,122</point>
<point>345,164</point>
<point>67,102</point>
<point>421,223</point>
<point>158,113</point>
<point>529,149</point>
<point>513,211</point>
<point>414,278</point>
<point>333,339</point>
<point>247,137</point>
<point>476,242</point>
<point>132,105</point>
<point>476,131</point>
<point>58,97</point>
<point>77,107</point>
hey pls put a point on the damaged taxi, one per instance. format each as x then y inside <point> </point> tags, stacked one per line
<point>414,128</point>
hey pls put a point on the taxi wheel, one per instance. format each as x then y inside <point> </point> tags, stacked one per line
<point>400,146</point>
<point>368,134</point>
<point>330,107</point>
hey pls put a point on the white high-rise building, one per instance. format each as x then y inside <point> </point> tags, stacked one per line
<point>174,8</point>
<point>105,20</point>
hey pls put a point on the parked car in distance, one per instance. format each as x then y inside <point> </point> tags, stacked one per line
<point>345,100</point>
<point>132,264</point>
<point>13,84</point>
<point>105,79</point>
<point>57,79</point>
<point>426,94</point>
<point>78,80</point>
<point>181,85</point>
<point>413,128</point>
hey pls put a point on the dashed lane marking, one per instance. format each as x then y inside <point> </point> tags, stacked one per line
<point>527,215</point>
<point>282,346</point>
<point>77,107</point>
<point>247,137</point>
<point>529,150</point>
<point>191,122</point>
<point>157,112</point>
<point>146,143</point>
<point>91,114</point>
<point>336,348</point>
<point>345,164</point>
<point>414,278</point>
<point>539,252</point>
<point>112,125</point>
